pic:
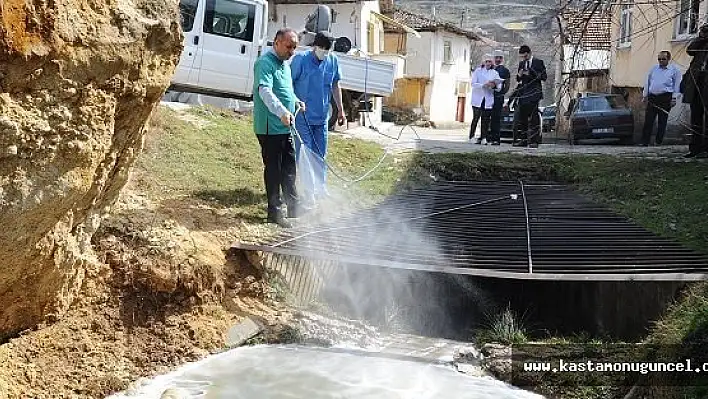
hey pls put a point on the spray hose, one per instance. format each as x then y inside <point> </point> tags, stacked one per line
<point>511,197</point>
<point>366,116</point>
<point>327,164</point>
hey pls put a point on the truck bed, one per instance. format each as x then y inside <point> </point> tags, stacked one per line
<point>366,75</point>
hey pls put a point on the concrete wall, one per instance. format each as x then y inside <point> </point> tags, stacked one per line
<point>396,43</point>
<point>630,64</point>
<point>651,34</point>
<point>451,306</point>
<point>424,62</point>
<point>621,310</point>
<point>443,97</point>
<point>419,53</point>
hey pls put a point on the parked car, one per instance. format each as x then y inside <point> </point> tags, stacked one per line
<point>507,122</point>
<point>548,118</point>
<point>601,116</point>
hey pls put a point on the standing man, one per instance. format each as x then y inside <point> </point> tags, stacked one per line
<point>499,93</point>
<point>660,93</point>
<point>531,72</point>
<point>274,104</point>
<point>484,81</point>
<point>696,92</point>
<point>316,76</point>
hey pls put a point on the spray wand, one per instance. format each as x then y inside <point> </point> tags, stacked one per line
<point>327,164</point>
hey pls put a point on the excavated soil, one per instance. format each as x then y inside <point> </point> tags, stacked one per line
<point>78,82</point>
<point>165,294</point>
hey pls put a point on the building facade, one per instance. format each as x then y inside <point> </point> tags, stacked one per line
<point>436,82</point>
<point>640,31</point>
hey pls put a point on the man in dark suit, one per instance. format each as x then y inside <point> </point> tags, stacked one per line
<point>695,92</point>
<point>499,98</point>
<point>531,72</point>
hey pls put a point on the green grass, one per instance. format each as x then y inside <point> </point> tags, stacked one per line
<point>683,334</point>
<point>686,319</point>
<point>218,160</point>
<point>220,163</point>
<point>354,158</point>
<point>505,327</point>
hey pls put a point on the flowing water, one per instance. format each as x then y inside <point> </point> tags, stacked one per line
<point>265,372</point>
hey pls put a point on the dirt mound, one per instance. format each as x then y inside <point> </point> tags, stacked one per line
<point>165,294</point>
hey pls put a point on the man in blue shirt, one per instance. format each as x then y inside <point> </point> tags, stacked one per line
<point>274,103</point>
<point>660,93</point>
<point>316,77</point>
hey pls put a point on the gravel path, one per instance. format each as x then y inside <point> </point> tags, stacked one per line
<point>401,139</point>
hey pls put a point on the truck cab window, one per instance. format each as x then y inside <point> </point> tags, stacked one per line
<point>187,12</point>
<point>230,18</point>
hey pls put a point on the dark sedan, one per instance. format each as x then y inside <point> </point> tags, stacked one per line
<point>548,118</point>
<point>507,122</point>
<point>601,116</point>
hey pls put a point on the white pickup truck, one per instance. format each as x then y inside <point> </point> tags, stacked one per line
<point>223,38</point>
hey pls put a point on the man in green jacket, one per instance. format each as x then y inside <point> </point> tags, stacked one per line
<point>274,105</point>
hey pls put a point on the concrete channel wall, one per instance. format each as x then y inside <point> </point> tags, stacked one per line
<point>452,306</point>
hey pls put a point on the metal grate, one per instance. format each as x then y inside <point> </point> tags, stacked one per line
<point>495,229</point>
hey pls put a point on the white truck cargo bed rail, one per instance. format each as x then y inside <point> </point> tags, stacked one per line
<point>363,74</point>
<point>366,75</point>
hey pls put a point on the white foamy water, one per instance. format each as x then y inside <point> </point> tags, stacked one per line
<point>266,372</point>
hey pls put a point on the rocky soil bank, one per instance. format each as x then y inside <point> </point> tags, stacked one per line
<point>78,82</point>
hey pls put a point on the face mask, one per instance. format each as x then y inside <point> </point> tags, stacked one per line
<point>321,53</point>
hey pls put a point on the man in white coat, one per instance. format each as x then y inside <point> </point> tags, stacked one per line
<point>485,80</point>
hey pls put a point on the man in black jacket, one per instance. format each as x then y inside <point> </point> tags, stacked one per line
<point>499,98</point>
<point>531,72</point>
<point>695,92</point>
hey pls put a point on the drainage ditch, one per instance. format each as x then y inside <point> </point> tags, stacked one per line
<point>438,261</point>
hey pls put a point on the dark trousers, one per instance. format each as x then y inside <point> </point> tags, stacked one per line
<point>485,115</point>
<point>658,105</point>
<point>278,152</point>
<point>527,123</point>
<point>495,129</point>
<point>699,141</point>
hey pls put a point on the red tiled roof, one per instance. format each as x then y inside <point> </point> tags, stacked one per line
<point>427,24</point>
<point>586,29</point>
